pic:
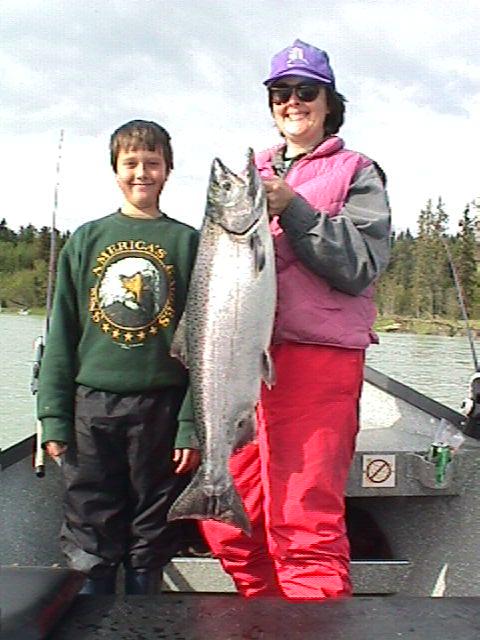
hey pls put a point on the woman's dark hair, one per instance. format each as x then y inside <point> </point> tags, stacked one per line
<point>336,105</point>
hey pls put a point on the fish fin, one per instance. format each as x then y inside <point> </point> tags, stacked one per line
<point>246,431</point>
<point>256,186</point>
<point>258,249</point>
<point>268,370</point>
<point>178,348</point>
<point>195,503</point>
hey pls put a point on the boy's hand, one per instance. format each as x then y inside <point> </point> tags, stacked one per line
<point>186,460</point>
<point>55,449</point>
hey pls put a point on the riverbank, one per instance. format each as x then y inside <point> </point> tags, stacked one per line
<point>17,311</point>
<point>384,324</point>
<point>425,326</point>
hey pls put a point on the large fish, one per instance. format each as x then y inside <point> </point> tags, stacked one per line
<point>224,336</point>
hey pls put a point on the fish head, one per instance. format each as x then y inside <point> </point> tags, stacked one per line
<point>235,202</point>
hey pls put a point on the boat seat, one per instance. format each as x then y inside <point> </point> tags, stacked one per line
<point>34,598</point>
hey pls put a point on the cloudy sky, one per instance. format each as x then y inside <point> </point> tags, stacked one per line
<point>410,70</point>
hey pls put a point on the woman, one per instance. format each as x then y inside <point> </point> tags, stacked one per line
<point>331,223</point>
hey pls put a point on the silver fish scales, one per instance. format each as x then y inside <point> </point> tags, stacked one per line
<point>224,336</point>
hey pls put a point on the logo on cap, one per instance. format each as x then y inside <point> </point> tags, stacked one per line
<point>296,55</point>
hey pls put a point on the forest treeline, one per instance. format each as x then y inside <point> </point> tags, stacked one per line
<point>418,283</point>
<point>24,260</point>
<point>420,279</point>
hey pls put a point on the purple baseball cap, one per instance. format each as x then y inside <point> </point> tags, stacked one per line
<point>301,59</point>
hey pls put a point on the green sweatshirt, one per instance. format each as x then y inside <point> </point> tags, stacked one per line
<point>120,291</point>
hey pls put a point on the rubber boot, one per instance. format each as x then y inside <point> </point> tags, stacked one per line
<point>141,582</point>
<point>100,586</point>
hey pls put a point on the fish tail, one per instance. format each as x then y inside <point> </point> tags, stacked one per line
<point>195,503</point>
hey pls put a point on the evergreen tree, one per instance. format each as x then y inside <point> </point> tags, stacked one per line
<point>432,282</point>
<point>44,244</point>
<point>394,288</point>
<point>6,234</point>
<point>404,267</point>
<point>422,300</point>
<point>463,254</point>
<point>27,234</point>
<point>441,282</point>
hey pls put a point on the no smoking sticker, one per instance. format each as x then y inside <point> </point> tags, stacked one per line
<point>378,470</point>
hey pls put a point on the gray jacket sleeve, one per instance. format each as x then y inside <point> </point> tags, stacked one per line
<point>351,249</point>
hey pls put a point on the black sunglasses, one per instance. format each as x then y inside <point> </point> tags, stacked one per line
<point>304,92</point>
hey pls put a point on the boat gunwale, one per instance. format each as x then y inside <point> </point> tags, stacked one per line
<point>16,452</point>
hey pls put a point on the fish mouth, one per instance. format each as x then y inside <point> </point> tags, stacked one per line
<point>235,202</point>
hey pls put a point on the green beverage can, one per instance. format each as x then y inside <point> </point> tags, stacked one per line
<point>440,455</point>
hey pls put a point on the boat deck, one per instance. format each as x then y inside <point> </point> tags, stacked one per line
<point>204,617</point>
<point>41,602</point>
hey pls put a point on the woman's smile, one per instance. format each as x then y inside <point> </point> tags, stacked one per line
<point>301,122</point>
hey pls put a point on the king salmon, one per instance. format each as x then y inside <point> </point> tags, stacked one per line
<point>224,336</point>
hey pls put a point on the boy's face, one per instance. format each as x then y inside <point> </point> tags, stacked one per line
<point>141,176</point>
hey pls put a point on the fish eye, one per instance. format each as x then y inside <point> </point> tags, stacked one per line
<point>227,186</point>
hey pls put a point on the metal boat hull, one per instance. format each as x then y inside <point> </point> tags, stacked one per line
<point>431,532</point>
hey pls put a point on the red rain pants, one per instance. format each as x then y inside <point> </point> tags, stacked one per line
<point>292,479</point>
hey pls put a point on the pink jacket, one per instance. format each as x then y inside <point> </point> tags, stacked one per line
<point>331,243</point>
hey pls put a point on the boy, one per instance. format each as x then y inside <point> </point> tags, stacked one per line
<point>109,392</point>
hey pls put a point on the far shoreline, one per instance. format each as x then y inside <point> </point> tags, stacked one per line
<point>436,326</point>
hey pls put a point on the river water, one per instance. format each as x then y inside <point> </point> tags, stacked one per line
<point>438,366</point>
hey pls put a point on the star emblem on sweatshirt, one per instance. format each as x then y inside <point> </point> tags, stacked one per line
<point>133,297</point>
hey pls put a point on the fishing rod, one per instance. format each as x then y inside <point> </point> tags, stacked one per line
<point>39,453</point>
<point>471,405</point>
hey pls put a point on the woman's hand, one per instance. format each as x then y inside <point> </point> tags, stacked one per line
<point>279,195</point>
<point>186,460</point>
<point>55,449</point>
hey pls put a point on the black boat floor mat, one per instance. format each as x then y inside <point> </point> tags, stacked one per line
<point>212,617</point>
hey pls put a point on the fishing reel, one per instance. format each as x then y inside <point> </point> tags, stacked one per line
<point>38,347</point>
<point>471,409</point>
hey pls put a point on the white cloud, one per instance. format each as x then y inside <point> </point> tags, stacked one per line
<point>424,153</point>
<point>410,70</point>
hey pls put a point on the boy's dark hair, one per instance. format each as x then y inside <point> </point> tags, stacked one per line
<point>141,134</point>
<point>336,104</point>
